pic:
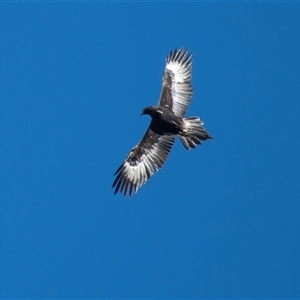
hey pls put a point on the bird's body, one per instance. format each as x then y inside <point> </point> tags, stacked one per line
<point>164,121</point>
<point>167,121</point>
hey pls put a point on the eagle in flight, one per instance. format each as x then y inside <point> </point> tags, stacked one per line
<point>167,121</point>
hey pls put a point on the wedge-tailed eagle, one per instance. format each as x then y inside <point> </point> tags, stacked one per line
<point>167,121</point>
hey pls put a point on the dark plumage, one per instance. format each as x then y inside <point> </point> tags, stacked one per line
<point>167,120</point>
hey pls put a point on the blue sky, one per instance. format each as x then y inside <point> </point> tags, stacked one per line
<point>221,221</point>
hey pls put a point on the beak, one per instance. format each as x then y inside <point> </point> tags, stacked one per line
<point>142,113</point>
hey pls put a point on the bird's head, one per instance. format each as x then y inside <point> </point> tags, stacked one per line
<point>149,110</point>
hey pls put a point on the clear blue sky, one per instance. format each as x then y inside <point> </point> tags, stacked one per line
<point>221,221</point>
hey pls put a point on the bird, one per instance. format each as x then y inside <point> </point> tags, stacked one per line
<point>167,122</point>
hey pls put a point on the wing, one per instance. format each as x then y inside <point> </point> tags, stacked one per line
<point>177,90</point>
<point>142,162</point>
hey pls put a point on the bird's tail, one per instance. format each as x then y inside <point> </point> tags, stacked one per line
<point>193,133</point>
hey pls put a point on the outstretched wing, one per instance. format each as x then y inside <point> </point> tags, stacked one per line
<point>176,84</point>
<point>142,162</point>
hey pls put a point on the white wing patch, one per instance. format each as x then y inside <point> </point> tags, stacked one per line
<point>137,169</point>
<point>179,66</point>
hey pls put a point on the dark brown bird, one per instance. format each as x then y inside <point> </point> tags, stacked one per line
<point>167,121</point>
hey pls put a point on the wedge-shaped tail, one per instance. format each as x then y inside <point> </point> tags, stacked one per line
<point>193,133</point>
